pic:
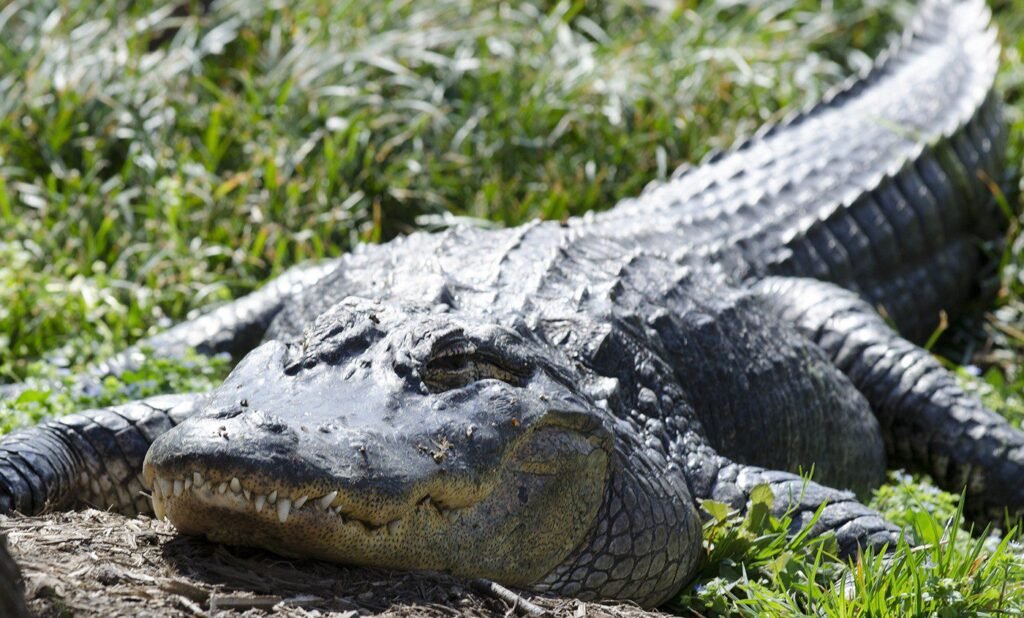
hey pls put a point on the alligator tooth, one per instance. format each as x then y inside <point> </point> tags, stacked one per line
<point>222,488</point>
<point>452,515</point>
<point>260,500</point>
<point>158,506</point>
<point>197,480</point>
<point>247,494</point>
<point>299,502</point>
<point>284,507</point>
<point>325,502</point>
<point>235,485</point>
<point>393,526</point>
<point>166,487</point>
<point>188,484</point>
<point>179,488</point>
<point>272,498</point>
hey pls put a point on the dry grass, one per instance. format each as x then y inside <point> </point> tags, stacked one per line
<point>92,563</point>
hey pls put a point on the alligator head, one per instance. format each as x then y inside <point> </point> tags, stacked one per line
<point>416,439</point>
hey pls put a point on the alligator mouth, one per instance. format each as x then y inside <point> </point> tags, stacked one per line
<point>192,492</point>
<point>463,524</point>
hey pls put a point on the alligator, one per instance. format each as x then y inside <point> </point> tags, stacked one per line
<point>546,406</point>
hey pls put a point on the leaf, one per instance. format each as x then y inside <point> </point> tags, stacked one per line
<point>759,517</point>
<point>762,495</point>
<point>33,396</point>
<point>927,528</point>
<point>718,510</point>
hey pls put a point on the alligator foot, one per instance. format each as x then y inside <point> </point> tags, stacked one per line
<point>810,506</point>
<point>928,422</point>
<point>92,458</point>
<point>855,526</point>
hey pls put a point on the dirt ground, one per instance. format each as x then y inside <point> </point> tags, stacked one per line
<point>94,563</point>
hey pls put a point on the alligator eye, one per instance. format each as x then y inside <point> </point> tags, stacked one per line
<point>459,363</point>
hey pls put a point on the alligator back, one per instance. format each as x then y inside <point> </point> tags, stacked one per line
<point>882,187</point>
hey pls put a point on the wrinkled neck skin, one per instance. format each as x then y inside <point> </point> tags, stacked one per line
<point>644,542</point>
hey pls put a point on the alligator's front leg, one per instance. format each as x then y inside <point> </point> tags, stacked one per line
<point>929,422</point>
<point>856,526</point>
<point>92,458</point>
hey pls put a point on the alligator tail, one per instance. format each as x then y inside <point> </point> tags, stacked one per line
<point>884,186</point>
<point>910,239</point>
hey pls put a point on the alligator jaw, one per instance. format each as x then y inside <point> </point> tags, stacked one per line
<point>467,525</point>
<point>253,498</point>
<point>291,523</point>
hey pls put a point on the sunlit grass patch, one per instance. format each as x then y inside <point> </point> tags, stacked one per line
<point>756,566</point>
<point>168,159</point>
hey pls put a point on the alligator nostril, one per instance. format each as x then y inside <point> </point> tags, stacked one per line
<point>267,422</point>
<point>227,412</point>
<point>293,359</point>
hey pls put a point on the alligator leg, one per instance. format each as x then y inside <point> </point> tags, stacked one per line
<point>91,458</point>
<point>233,328</point>
<point>930,424</point>
<point>712,476</point>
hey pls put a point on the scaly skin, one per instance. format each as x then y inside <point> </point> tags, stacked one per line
<point>545,406</point>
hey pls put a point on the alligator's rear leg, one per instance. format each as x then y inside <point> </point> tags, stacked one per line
<point>93,458</point>
<point>233,328</point>
<point>929,423</point>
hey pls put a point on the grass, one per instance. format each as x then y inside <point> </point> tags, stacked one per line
<point>756,567</point>
<point>156,160</point>
<point>147,172</point>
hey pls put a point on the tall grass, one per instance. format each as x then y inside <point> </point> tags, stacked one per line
<point>154,161</point>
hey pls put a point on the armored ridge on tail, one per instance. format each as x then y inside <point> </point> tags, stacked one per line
<point>546,405</point>
<point>881,188</point>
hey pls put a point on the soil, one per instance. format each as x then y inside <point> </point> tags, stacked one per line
<point>93,563</point>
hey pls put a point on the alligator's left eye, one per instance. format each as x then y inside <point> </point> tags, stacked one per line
<point>457,363</point>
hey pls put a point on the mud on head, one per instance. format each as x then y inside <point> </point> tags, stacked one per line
<point>396,437</point>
